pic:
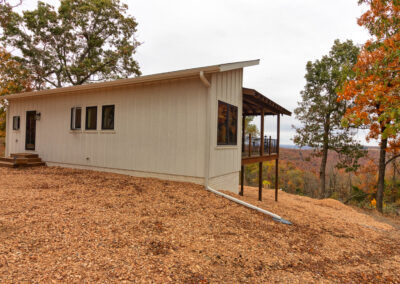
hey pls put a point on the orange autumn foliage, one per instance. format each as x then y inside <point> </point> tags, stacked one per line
<point>367,177</point>
<point>13,79</point>
<point>375,92</point>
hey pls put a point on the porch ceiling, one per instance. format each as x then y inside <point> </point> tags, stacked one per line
<point>254,102</point>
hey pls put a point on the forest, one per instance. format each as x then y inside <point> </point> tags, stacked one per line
<point>351,88</point>
<point>299,174</point>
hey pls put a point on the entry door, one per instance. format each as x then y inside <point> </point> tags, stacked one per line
<point>30,130</point>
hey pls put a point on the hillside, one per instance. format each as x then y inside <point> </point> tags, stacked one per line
<point>76,226</point>
<point>305,160</point>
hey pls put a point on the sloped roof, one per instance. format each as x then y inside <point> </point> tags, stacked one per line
<point>141,79</point>
<point>254,102</point>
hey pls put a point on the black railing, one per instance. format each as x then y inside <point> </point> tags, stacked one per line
<point>251,147</point>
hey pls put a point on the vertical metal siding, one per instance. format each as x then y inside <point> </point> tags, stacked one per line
<point>159,128</point>
<point>227,87</point>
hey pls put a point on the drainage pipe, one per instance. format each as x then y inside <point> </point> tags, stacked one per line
<point>248,205</point>
<point>204,80</point>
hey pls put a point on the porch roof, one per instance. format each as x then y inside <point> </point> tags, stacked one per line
<point>254,102</point>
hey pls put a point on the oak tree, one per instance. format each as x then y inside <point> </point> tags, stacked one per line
<point>375,91</point>
<point>320,112</point>
<point>79,42</point>
<point>14,78</point>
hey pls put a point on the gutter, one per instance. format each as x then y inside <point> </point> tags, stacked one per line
<point>275,217</point>
<point>207,84</point>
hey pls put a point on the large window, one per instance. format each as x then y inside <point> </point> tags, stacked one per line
<point>16,122</point>
<point>91,118</point>
<point>76,118</point>
<point>227,124</point>
<point>107,117</point>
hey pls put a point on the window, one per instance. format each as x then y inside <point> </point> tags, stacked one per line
<point>227,124</point>
<point>16,121</point>
<point>107,117</point>
<point>91,118</point>
<point>76,118</point>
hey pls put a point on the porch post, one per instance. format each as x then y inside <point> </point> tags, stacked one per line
<point>277,156</point>
<point>243,149</point>
<point>262,134</point>
<point>260,165</point>
<point>260,181</point>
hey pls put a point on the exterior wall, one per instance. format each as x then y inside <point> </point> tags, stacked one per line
<point>159,129</point>
<point>196,180</point>
<point>225,160</point>
<point>229,182</point>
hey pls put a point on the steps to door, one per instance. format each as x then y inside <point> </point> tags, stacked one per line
<point>22,160</point>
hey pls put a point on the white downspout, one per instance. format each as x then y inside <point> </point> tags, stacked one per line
<point>7,138</point>
<point>248,205</point>
<point>204,80</point>
<point>208,127</point>
<point>207,161</point>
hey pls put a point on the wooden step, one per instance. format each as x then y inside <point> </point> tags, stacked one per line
<point>6,164</point>
<point>18,161</point>
<point>34,164</point>
<point>22,160</point>
<point>24,155</point>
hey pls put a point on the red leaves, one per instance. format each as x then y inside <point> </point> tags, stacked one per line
<point>376,88</point>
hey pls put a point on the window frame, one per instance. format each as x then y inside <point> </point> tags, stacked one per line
<point>73,119</point>
<point>228,114</point>
<point>18,126</point>
<point>102,117</point>
<point>86,118</point>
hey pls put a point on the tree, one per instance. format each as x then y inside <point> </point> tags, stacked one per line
<point>375,91</point>
<point>80,42</point>
<point>320,112</point>
<point>14,78</point>
<point>250,128</point>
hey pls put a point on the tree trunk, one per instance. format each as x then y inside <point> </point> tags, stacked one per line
<point>394,185</point>
<point>322,172</point>
<point>381,175</point>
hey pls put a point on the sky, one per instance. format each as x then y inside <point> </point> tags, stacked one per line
<point>284,35</point>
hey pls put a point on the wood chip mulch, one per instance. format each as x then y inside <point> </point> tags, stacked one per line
<point>65,225</point>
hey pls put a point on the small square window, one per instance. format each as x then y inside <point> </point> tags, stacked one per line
<point>91,118</point>
<point>16,122</point>
<point>107,117</point>
<point>76,118</point>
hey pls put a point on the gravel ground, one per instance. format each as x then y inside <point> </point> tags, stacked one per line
<point>67,225</point>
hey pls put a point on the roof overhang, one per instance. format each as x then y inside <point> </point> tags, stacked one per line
<point>254,102</point>
<point>187,73</point>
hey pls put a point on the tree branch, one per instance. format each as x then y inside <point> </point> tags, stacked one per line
<point>391,159</point>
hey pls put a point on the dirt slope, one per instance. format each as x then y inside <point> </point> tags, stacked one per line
<point>74,226</point>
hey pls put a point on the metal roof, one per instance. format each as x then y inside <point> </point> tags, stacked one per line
<point>140,79</point>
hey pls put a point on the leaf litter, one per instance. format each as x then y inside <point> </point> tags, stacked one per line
<point>67,225</point>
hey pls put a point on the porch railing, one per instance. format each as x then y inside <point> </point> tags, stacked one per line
<point>252,146</point>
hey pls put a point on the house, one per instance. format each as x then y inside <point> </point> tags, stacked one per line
<point>183,125</point>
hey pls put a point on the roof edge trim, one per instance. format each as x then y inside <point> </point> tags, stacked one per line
<point>139,80</point>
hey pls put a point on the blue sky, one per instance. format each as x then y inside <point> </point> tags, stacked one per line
<point>284,34</point>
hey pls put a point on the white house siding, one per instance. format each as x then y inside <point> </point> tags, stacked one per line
<point>159,130</point>
<point>225,161</point>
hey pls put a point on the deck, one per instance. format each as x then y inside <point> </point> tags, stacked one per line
<point>252,152</point>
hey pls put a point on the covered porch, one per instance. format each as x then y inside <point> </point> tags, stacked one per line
<point>262,148</point>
